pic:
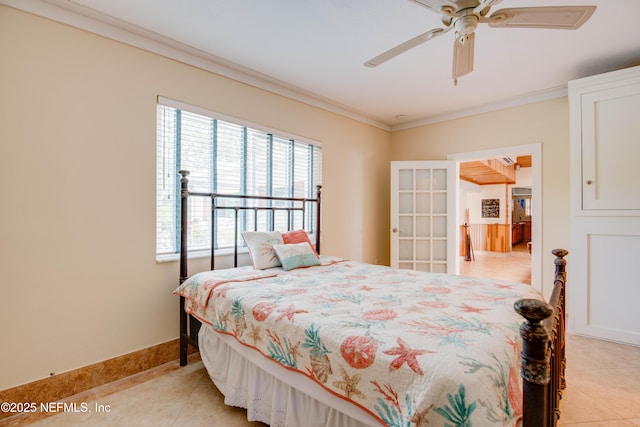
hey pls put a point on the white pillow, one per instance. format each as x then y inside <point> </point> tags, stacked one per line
<point>296,255</point>
<point>260,244</point>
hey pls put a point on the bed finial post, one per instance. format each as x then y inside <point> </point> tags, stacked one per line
<point>535,361</point>
<point>184,195</point>
<point>318,196</point>
<point>560,263</point>
<point>559,285</point>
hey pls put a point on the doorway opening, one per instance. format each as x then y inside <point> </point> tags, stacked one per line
<point>505,238</point>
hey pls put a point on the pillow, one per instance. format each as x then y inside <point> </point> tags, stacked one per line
<point>297,236</point>
<point>260,244</point>
<point>296,255</point>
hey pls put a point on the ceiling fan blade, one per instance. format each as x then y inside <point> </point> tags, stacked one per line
<point>427,4</point>
<point>482,8</point>
<point>403,47</point>
<point>554,17</point>
<point>463,56</point>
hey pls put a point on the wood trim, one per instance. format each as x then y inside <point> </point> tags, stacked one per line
<point>484,172</point>
<point>66,384</point>
<point>524,161</point>
<point>488,237</point>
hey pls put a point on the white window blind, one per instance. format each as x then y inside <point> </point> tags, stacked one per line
<point>226,158</point>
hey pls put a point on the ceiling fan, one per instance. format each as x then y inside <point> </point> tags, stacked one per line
<point>463,17</point>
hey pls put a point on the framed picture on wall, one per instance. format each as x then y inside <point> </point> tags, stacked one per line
<point>490,208</point>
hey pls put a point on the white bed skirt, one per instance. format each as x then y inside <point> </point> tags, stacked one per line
<point>269,392</point>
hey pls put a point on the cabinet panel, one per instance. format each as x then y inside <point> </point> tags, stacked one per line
<point>516,234</point>
<point>527,231</point>
<point>610,148</point>
<point>605,125</point>
<point>606,291</point>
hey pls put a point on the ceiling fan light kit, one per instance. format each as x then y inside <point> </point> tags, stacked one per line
<point>463,16</point>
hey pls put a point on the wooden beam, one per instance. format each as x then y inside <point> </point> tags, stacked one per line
<point>524,161</point>
<point>484,172</point>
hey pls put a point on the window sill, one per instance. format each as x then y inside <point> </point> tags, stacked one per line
<point>204,253</point>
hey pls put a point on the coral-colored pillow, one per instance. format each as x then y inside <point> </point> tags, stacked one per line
<point>297,236</point>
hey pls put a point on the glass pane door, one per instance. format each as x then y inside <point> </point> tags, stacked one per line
<point>423,215</point>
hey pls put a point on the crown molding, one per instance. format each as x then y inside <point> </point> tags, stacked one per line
<point>77,16</point>
<point>527,98</point>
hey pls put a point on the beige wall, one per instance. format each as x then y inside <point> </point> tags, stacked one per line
<point>80,283</point>
<point>545,123</point>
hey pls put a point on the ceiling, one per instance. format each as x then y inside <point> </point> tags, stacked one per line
<point>314,50</point>
<point>493,171</point>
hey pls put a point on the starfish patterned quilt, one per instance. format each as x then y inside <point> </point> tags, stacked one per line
<point>410,348</point>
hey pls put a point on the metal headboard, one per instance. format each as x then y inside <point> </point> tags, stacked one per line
<point>294,204</point>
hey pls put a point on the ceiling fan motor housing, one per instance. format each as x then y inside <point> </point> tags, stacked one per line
<point>465,25</point>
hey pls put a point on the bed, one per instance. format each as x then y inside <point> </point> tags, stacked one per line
<point>299,338</point>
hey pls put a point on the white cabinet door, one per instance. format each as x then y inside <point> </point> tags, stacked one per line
<point>603,287</point>
<point>423,215</point>
<point>603,282</point>
<point>606,126</point>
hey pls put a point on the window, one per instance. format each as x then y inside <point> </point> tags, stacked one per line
<point>225,157</point>
<point>527,206</point>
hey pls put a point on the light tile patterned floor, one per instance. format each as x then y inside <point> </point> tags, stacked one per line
<point>514,266</point>
<point>603,383</point>
<point>603,390</point>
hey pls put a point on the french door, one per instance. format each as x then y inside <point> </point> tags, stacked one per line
<point>424,201</point>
